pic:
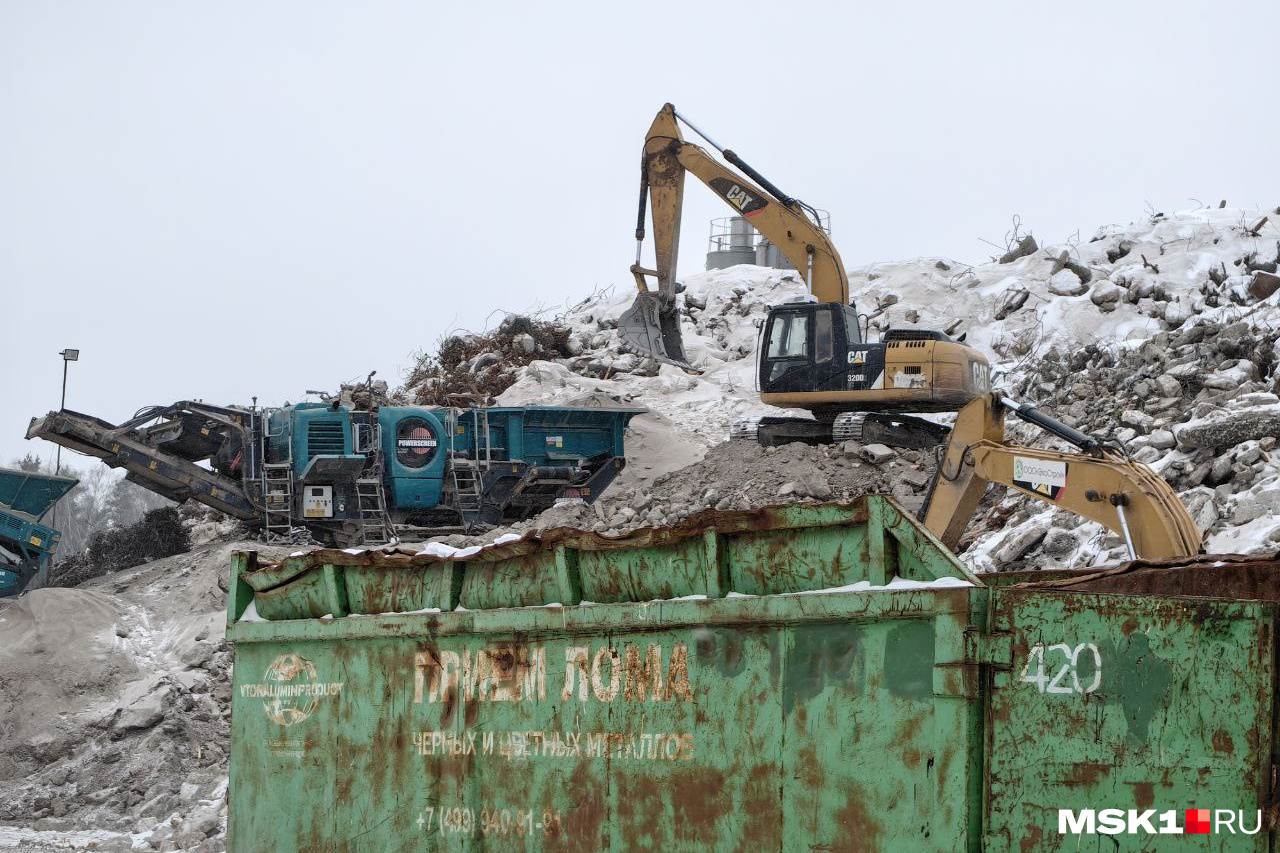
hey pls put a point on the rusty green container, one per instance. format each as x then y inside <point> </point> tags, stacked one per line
<point>804,678</point>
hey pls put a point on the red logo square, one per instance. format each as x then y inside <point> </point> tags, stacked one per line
<point>1198,822</point>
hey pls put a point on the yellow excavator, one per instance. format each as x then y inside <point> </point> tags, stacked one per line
<point>1099,482</point>
<point>815,354</point>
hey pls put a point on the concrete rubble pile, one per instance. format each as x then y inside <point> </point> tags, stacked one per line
<point>744,475</point>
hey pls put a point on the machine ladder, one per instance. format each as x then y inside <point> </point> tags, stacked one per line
<point>467,488</point>
<point>277,487</point>
<point>375,525</point>
<point>467,470</point>
<point>277,500</point>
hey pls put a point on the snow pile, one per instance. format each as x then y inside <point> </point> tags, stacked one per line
<point>1130,335</point>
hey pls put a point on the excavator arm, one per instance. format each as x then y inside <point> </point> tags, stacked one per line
<point>651,326</point>
<point>1124,496</point>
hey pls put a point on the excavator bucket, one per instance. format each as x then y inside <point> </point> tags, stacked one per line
<point>651,328</point>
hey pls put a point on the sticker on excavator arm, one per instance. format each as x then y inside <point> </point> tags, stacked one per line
<point>1044,477</point>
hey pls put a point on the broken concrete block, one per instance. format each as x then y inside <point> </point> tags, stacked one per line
<point>1176,313</point>
<point>1147,455</point>
<point>1106,294</point>
<point>1026,246</point>
<point>1247,453</point>
<point>1219,471</point>
<point>807,484</point>
<point>1060,543</point>
<point>1138,420</point>
<point>1229,430</point>
<point>1199,503</point>
<point>878,454</point>
<point>1067,283</point>
<point>915,479</point>
<point>1187,370</point>
<point>1167,386</point>
<point>1012,301</point>
<point>1018,542</point>
<point>1249,507</point>
<point>851,449</point>
<point>142,713</point>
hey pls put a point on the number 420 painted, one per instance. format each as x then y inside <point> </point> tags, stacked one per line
<point>1042,659</point>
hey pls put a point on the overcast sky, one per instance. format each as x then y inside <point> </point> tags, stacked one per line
<point>222,200</point>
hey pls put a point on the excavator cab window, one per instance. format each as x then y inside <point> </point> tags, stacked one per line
<point>823,338</point>
<point>789,335</point>
<point>852,325</point>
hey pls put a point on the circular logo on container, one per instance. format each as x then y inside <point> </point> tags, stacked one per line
<point>290,690</point>
<point>290,681</point>
<point>416,443</point>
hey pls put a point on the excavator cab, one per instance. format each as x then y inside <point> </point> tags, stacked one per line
<point>805,347</point>
<point>814,356</point>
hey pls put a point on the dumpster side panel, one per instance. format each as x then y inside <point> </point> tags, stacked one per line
<point>811,722</point>
<point>1128,702</point>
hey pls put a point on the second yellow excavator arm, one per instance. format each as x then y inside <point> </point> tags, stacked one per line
<point>1126,497</point>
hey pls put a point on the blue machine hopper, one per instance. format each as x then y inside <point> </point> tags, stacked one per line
<point>25,544</point>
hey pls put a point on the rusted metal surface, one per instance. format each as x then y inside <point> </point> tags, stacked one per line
<point>745,681</point>
<point>691,732</point>
<point>758,552</point>
<point>731,721</point>
<point>1133,689</point>
<point>1229,576</point>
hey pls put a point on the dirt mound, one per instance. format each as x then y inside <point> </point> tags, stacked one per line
<point>744,475</point>
<point>115,705</point>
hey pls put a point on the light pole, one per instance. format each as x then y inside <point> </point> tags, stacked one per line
<point>68,356</point>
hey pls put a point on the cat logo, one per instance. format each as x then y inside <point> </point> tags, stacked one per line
<point>739,197</point>
<point>981,376</point>
<point>746,202</point>
<point>858,356</point>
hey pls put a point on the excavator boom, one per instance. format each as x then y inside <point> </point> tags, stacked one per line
<point>651,326</point>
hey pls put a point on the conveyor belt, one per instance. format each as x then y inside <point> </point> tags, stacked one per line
<point>162,472</point>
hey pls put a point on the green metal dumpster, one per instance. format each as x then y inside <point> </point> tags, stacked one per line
<point>755,679</point>
<point>1151,688</point>
<point>805,678</point>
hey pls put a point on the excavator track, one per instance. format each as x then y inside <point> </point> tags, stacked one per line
<point>902,431</point>
<point>893,430</point>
